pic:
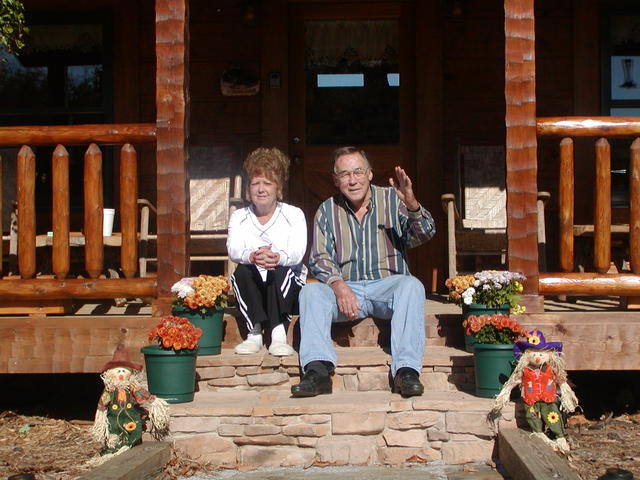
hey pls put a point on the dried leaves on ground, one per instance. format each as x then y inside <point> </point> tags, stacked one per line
<point>53,449</point>
<point>605,443</point>
<point>49,448</point>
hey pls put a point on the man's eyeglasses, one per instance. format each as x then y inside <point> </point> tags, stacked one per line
<point>357,173</point>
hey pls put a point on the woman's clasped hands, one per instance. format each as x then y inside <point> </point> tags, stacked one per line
<point>265,258</point>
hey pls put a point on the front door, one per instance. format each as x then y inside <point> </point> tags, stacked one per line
<point>352,83</point>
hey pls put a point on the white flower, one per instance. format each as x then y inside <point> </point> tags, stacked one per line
<point>467,295</point>
<point>476,283</point>
<point>183,288</point>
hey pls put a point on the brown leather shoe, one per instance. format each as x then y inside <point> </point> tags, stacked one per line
<point>312,384</point>
<point>407,383</point>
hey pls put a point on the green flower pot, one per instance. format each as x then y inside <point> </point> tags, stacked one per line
<point>481,309</point>
<point>171,375</point>
<point>469,342</point>
<point>493,366</point>
<point>210,343</point>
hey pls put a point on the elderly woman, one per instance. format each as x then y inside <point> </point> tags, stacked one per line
<point>268,240</point>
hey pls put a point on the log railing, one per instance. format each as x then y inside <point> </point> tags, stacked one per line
<point>599,283</point>
<point>28,286</point>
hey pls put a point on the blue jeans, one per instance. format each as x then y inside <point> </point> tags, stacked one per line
<point>398,297</point>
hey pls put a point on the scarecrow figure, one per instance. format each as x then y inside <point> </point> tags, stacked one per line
<point>118,423</point>
<point>543,384</point>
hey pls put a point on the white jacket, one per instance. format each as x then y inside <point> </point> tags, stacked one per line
<point>285,232</point>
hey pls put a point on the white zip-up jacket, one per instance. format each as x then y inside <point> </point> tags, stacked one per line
<point>285,232</point>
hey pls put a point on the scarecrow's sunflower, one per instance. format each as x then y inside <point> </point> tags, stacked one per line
<point>130,427</point>
<point>534,339</point>
<point>553,417</point>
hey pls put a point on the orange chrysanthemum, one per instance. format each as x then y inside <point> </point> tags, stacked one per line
<point>175,333</point>
<point>496,328</point>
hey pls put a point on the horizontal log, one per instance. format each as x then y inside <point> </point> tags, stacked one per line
<point>589,126</point>
<point>586,229</point>
<point>78,134</point>
<point>622,284</point>
<point>52,289</point>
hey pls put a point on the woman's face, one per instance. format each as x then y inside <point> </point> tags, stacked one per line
<point>263,192</point>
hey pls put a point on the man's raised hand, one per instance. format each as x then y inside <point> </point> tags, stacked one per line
<point>404,189</point>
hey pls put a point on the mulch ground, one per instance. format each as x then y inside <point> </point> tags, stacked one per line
<point>54,449</point>
<point>606,443</point>
<point>50,448</point>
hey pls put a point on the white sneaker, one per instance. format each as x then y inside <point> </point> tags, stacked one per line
<point>248,347</point>
<point>280,349</point>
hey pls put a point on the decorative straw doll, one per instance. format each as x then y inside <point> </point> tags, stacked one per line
<point>118,424</point>
<point>543,382</point>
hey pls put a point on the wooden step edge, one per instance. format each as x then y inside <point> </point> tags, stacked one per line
<point>528,457</point>
<point>146,460</point>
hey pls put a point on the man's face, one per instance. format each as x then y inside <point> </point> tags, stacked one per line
<point>353,177</point>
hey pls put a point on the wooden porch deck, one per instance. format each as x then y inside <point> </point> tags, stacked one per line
<point>435,304</point>
<point>598,334</point>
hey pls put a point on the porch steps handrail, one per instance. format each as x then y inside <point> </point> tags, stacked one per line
<point>104,134</point>
<point>601,283</point>
<point>589,284</point>
<point>588,126</point>
<point>97,287</point>
<point>87,288</point>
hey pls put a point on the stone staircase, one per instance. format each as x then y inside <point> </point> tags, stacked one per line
<point>244,417</point>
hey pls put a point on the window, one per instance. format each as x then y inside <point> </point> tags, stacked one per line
<point>352,80</point>
<point>62,77</point>
<point>621,87</point>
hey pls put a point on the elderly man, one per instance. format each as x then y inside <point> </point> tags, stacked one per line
<point>359,259</point>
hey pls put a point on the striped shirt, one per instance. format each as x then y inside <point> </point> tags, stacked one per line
<point>345,249</point>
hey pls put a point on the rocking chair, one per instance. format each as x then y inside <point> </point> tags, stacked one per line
<point>476,213</point>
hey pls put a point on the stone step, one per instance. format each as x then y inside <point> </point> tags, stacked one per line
<point>359,369</point>
<point>251,429</point>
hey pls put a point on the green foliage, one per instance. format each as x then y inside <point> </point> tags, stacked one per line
<point>12,26</point>
<point>491,334</point>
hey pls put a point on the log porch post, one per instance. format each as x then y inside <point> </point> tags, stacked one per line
<point>521,146</point>
<point>172,110</point>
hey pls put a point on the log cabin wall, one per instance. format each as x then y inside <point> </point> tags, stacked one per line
<point>469,82</point>
<point>224,129</point>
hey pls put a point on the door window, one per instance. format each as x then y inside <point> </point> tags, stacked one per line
<point>352,82</point>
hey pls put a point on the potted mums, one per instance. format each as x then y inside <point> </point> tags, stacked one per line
<point>171,361</point>
<point>486,292</point>
<point>202,301</point>
<point>495,336</point>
